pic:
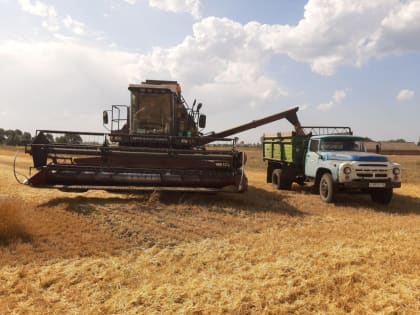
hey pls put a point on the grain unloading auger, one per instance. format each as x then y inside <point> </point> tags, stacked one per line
<point>155,144</point>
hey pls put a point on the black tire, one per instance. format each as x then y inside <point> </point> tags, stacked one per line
<point>326,188</point>
<point>280,181</point>
<point>382,196</point>
<point>275,178</point>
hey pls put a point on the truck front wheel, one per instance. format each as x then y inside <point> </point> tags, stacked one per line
<point>326,188</point>
<point>280,181</point>
<point>382,196</point>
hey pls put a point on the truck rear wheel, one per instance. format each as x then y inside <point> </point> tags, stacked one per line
<point>280,181</point>
<point>326,188</point>
<point>382,196</point>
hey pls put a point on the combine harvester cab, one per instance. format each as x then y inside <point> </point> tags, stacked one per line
<point>156,143</point>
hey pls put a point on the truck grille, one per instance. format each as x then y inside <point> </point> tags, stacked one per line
<point>374,165</point>
<point>372,171</point>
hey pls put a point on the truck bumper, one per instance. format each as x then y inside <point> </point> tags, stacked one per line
<point>369,185</point>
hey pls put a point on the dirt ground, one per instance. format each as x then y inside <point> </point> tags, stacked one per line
<point>262,252</point>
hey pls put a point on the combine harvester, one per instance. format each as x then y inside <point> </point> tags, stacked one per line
<point>157,143</point>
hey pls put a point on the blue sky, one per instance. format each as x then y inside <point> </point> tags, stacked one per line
<point>353,63</point>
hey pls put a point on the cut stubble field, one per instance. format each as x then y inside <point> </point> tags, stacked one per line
<point>262,252</point>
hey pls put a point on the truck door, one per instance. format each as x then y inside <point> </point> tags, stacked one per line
<point>312,158</point>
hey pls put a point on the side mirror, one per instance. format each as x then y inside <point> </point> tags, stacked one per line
<point>202,121</point>
<point>105,117</point>
<point>199,106</point>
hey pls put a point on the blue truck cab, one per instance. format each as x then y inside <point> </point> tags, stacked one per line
<point>332,162</point>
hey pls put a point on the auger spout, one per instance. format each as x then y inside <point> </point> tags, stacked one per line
<point>290,115</point>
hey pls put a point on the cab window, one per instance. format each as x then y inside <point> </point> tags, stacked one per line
<point>314,146</point>
<point>151,113</point>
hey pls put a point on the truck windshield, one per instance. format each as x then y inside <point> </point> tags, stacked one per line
<point>335,144</point>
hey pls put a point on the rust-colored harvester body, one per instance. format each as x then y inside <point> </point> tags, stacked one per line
<point>156,143</point>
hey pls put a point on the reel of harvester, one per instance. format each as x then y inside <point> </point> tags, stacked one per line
<point>78,166</point>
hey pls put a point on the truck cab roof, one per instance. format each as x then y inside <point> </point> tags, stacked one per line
<point>339,137</point>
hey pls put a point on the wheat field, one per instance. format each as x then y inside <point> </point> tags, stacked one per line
<point>262,252</point>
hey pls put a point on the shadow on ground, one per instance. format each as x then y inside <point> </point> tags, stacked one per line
<point>165,219</point>
<point>84,205</point>
<point>255,200</point>
<point>400,204</point>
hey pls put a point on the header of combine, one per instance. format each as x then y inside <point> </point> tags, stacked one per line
<point>155,143</point>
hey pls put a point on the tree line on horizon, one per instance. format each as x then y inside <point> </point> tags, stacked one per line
<point>14,137</point>
<point>19,137</point>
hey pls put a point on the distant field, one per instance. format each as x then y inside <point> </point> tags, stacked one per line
<point>262,252</point>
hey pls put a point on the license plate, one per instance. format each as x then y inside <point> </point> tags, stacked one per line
<point>376,185</point>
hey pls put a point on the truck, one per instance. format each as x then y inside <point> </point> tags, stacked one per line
<point>331,159</point>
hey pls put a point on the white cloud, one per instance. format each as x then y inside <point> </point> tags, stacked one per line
<point>333,33</point>
<point>338,97</point>
<point>400,28</point>
<point>326,106</point>
<point>47,12</point>
<point>51,20</point>
<point>51,25</point>
<point>218,60</point>
<point>61,78</point>
<point>191,7</point>
<point>178,6</point>
<point>76,27</point>
<point>405,95</point>
<point>37,8</point>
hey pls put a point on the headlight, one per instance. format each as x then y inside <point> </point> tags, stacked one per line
<point>347,170</point>
<point>396,171</point>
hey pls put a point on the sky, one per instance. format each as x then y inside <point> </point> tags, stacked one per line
<point>343,62</point>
